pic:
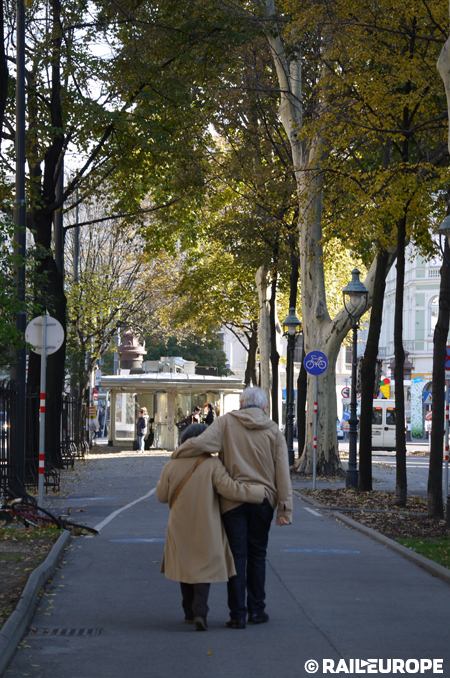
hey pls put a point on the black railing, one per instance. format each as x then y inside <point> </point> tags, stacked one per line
<point>8,434</point>
<point>73,444</point>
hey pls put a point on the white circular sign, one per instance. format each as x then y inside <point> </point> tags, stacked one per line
<point>34,334</point>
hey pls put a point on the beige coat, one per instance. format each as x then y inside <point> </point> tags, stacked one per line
<point>197,549</point>
<point>253,450</point>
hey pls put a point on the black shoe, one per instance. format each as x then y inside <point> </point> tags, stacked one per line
<point>200,624</point>
<point>189,620</point>
<point>261,618</point>
<point>236,624</point>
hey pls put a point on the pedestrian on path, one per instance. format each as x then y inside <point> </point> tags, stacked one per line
<point>197,552</point>
<point>210,414</point>
<point>141,428</point>
<point>253,450</point>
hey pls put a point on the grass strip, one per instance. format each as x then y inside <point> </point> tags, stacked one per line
<point>435,549</point>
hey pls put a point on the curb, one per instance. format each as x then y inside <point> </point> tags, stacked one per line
<point>433,568</point>
<point>14,628</point>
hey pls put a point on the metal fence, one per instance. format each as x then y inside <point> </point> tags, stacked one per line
<point>73,442</point>
<point>8,435</point>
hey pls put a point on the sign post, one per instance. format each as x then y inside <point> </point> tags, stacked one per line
<point>46,335</point>
<point>316,363</point>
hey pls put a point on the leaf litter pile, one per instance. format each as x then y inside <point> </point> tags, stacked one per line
<point>21,551</point>
<point>393,521</point>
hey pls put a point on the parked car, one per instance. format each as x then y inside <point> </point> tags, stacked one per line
<point>340,432</point>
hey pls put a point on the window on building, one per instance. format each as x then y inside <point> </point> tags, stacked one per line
<point>348,356</point>
<point>433,313</point>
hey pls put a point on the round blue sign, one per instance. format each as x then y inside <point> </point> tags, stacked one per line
<point>316,362</point>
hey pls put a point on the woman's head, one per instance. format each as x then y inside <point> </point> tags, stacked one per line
<point>192,431</point>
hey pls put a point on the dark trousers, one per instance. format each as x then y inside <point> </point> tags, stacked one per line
<point>195,600</point>
<point>247,527</point>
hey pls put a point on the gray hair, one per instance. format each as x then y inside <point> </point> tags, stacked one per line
<point>253,396</point>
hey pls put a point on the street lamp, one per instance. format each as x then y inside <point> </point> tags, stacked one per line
<point>291,328</point>
<point>355,293</point>
<point>444,230</point>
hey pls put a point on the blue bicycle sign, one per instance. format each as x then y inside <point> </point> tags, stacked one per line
<point>316,362</point>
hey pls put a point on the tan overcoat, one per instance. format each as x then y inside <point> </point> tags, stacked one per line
<point>253,450</point>
<point>197,549</point>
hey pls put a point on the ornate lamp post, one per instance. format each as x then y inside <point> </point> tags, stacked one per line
<point>291,328</point>
<point>354,294</point>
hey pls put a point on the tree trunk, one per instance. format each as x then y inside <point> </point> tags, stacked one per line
<point>293,285</point>
<point>274,355</point>
<point>320,331</point>
<point>302,385</point>
<point>435,503</point>
<point>250,377</point>
<point>55,367</point>
<point>264,335</point>
<point>3,70</point>
<point>368,372</point>
<point>443,66</point>
<point>401,488</point>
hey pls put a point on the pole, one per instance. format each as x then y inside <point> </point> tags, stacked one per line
<point>20,222</point>
<point>290,398</point>
<point>315,434</point>
<point>447,426</point>
<point>42,413</point>
<point>76,257</point>
<point>352,472</point>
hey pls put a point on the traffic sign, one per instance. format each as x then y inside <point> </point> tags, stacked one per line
<point>345,392</point>
<point>447,358</point>
<point>316,362</point>
<point>34,334</point>
<point>345,416</point>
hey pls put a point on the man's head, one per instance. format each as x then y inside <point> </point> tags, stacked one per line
<point>254,396</point>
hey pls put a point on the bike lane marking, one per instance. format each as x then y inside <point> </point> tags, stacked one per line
<point>315,513</point>
<point>112,515</point>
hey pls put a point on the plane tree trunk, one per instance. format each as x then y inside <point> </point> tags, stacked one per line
<point>368,372</point>
<point>435,501</point>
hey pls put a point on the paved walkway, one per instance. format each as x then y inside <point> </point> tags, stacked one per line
<point>332,594</point>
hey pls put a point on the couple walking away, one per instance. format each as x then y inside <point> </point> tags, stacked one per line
<point>211,539</point>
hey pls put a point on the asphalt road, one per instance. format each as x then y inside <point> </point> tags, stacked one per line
<point>333,594</point>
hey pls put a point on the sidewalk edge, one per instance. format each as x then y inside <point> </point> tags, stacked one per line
<point>16,624</point>
<point>433,568</point>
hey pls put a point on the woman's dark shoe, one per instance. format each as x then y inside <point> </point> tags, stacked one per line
<point>236,624</point>
<point>261,618</point>
<point>189,620</point>
<point>200,624</point>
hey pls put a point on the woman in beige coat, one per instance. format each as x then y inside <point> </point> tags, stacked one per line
<point>197,552</point>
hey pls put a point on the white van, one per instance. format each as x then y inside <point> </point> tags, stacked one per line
<point>383,425</point>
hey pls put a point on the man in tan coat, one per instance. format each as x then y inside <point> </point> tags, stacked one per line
<point>253,450</point>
